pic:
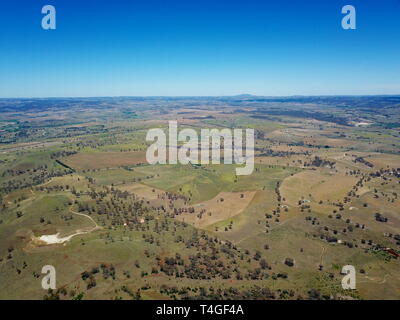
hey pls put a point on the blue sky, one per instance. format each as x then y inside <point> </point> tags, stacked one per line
<point>198,47</point>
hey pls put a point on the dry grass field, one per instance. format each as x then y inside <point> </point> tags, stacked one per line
<point>224,206</point>
<point>99,160</point>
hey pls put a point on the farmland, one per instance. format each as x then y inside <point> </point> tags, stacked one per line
<point>324,193</point>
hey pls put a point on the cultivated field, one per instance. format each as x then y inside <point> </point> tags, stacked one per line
<point>77,193</point>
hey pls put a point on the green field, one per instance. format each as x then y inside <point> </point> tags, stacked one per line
<point>323,194</point>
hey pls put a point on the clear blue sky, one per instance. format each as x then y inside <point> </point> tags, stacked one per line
<point>198,47</point>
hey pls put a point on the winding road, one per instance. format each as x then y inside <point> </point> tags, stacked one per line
<point>55,238</point>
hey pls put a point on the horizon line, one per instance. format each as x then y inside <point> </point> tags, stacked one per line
<point>206,96</point>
